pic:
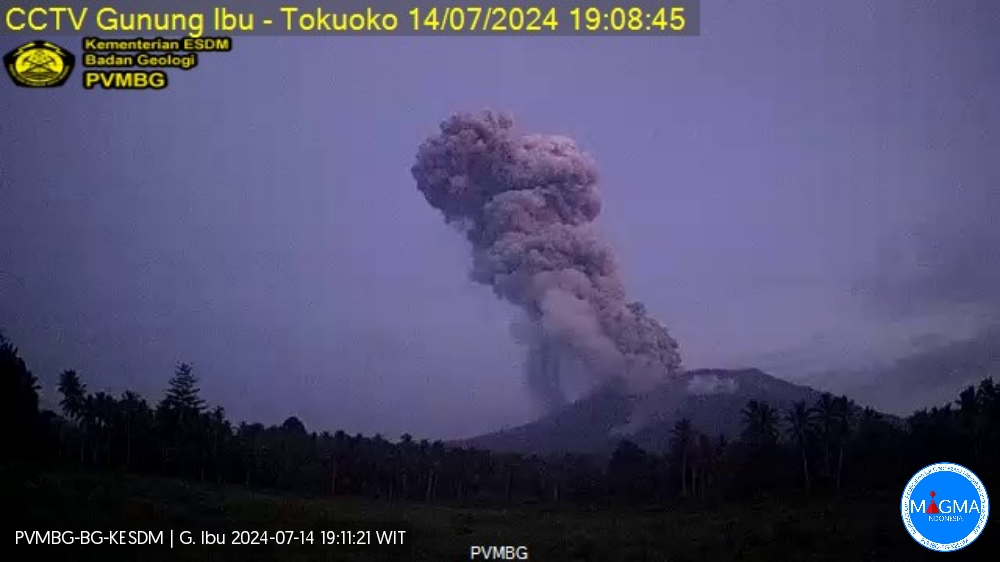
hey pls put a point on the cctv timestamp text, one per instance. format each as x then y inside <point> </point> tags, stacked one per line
<point>600,17</point>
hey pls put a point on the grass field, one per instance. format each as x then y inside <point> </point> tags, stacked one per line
<point>849,530</point>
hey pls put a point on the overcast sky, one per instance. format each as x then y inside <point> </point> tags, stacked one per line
<point>811,176</point>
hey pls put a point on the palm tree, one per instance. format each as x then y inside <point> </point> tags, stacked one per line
<point>761,424</point>
<point>761,434</point>
<point>74,391</point>
<point>74,402</point>
<point>131,406</point>
<point>872,440</point>
<point>105,410</point>
<point>719,460</point>
<point>703,454</point>
<point>800,428</point>
<point>90,423</point>
<point>826,421</point>
<point>844,423</point>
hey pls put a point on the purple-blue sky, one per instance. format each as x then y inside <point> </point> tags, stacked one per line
<point>802,176</point>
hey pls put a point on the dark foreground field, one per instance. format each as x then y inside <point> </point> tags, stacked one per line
<point>857,529</point>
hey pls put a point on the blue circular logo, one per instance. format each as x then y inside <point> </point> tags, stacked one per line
<point>945,507</point>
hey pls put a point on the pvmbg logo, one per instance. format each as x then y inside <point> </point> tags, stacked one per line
<point>39,64</point>
<point>945,507</point>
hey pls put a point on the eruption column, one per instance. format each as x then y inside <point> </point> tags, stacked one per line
<point>526,204</point>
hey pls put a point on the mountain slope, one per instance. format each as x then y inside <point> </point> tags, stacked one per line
<point>711,398</point>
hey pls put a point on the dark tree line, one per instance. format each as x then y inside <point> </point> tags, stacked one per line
<point>830,447</point>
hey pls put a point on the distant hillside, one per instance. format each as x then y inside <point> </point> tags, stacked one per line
<point>930,370</point>
<point>711,398</point>
<point>933,376</point>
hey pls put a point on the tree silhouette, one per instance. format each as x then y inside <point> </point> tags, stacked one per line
<point>183,395</point>
<point>834,447</point>
<point>74,394</point>
<point>74,405</point>
<point>758,446</point>
<point>800,429</point>
<point>988,405</point>
<point>179,417</point>
<point>704,461</point>
<point>972,421</point>
<point>826,420</point>
<point>104,410</point>
<point>19,401</point>
<point>760,424</point>
<point>220,434</point>
<point>843,426</point>
<point>294,425</point>
<point>627,467</point>
<point>135,420</point>
<point>681,441</point>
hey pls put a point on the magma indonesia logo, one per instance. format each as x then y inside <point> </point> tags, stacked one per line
<point>39,64</point>
<point>945,507</point>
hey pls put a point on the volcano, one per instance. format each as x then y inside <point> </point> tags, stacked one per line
<point>711,399</point>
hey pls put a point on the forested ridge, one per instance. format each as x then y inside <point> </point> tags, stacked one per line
<point>830,447</point>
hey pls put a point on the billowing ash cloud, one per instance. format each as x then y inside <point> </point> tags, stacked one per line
<point>526,204</point>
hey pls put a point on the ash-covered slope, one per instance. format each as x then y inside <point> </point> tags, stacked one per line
<point>712,399</point>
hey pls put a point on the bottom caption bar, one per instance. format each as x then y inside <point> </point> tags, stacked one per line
<point>346,536</point>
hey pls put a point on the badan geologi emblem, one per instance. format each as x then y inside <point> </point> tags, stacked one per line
<point>39,64</point>
<point>945,507</point>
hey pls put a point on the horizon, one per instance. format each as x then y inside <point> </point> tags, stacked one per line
<point>48,401</point>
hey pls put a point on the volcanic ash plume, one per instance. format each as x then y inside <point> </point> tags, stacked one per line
<point>526,204</point>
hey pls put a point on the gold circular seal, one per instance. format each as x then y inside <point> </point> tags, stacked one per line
<point>39,64</point>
